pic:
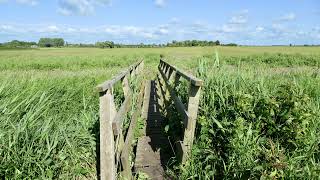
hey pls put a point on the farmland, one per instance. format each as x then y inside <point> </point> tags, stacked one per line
<point>258,113</point>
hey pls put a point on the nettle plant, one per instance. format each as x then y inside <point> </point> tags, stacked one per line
<point>284,116</point>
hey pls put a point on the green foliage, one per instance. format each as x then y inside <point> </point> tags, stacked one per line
<point>275,60</point>
<point>15,44</point>
<point>230,44</point>
<point>47,128</point>
<point>106,44</point>
<point>51,42</point>
<point>191,43</point>
<point>49,112</point>
<point>254,127</point>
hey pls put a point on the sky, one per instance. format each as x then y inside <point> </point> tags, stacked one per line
<point>247,22</point>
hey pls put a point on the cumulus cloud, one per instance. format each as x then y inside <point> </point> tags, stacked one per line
<point>259,28</point>
<point>242,33</point>
<point>288,17</point>
<point>28,2</point>
<point>24,2</point>
<point>80,7</point>
<point>237,23</point>
<point>5,27</point>
<point>240,17</point>
<point>160,3</point>
<point>174,20</point>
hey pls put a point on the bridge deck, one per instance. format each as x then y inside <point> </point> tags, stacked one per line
<point>153,150</point>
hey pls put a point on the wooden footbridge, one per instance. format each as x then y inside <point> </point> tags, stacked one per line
<point>120,156</point>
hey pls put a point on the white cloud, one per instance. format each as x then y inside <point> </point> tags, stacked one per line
<point>242,33</point>
<point>259,28</point>
<point>6,27</point>
<point>160,3</point>
<point>240,17</point>
<point>231,28</point>
<point>28,2</point>
<point>237,23</point>
<point>24,2</point>
<point>80,7</point>
<point>288,17</point>
<point>52,28</point>
<point>163,31</point>
<point>174,20</point>
<point>238,20</point>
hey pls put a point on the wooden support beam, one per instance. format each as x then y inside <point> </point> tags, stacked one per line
<point>190,125</point>
<point>107,156</point>
<point>118,120</point>
<point>126,86</point>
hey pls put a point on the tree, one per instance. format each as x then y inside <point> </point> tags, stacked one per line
<point>51,42</point>
<point>217,42</point>
<point>106,44</point>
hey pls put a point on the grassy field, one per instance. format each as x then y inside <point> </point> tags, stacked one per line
<point>258,116</point>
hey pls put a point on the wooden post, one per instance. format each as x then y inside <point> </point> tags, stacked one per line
<point>125,85</point>
<point>107,154</point>
<point>176,80</point>
<point>190,126</point>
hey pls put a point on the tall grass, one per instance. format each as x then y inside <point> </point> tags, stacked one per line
<point>49,111</point>
<point>255,123</point>
<point>47,128</point>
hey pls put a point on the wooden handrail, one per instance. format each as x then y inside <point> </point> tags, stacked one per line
<point>114,147</point>
<point>170,78</point>
<point>193,80</point>
<point>109,84</point>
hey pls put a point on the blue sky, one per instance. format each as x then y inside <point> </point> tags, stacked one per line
<point>249,22</point>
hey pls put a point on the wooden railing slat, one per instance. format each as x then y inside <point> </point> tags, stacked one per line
<point>195,81</point>
<point>126,151</point>
<point>179,105</point>
<point>117,121</point>
<point>111,121</point>
<point>109,84</point>
<point>189,116</point>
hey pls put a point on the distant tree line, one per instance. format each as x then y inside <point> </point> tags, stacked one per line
<point>59,42</point>
<point>191,43</point>
<point>187,43</point>
<point>18,44</point>
<point>230,44</point>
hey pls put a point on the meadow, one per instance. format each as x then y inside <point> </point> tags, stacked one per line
<point>258,116</point>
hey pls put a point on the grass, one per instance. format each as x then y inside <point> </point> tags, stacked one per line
<point>49,111</point>
<point>256,121</point>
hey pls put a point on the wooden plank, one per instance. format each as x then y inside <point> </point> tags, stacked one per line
<point>190,126</point>
<point>107,158</point>
<point>117,122</point>
<point>119,147</point>
<point>179,105</point>
<point>146,100</point>
<point>193,80</point>
<point>128,142</point>
<point>181,151</point>
<point>126,86</point>
<point>108,84</point>
<point>152,155</point>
